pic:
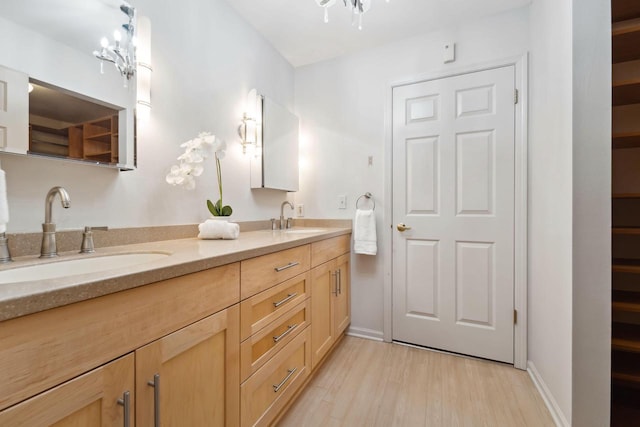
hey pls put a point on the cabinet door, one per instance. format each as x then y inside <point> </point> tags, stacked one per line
<point>323,290</point>
<point>14,111</point>
<point>342,301</point>
<point>192,376</point>
<point>91,400</point>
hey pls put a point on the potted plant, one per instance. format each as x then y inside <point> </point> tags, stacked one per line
<point>191,161</point>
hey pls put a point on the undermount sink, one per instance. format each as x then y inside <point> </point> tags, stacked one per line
<point>73,267</point>
<point>304,230</point>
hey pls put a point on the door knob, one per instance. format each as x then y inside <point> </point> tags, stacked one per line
<point>402,227</point>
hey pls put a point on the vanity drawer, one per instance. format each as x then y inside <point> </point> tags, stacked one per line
<point>328,249</point>
<point>258,349</point>
<point>267,391</point>
<point>265,307</point>
<point>260,273</point>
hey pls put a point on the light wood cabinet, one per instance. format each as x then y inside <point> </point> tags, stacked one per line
<point>261,273</point>
<point>330,304</point>
<point>269,390</point>
<point>227,346</point>
<point>191,377</point>
<point>50,348</point>
<point>100,397</point>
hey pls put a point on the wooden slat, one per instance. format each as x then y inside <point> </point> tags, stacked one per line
<point>622,10</point>
<point>625,338</point>
<point>625,140</point>
<point>626,39</point>
<point>626,230</point>
<point>627,92</point>
<point>626,196</point>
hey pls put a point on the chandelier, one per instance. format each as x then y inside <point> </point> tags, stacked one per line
<point>122,53</point>
<point>357,7</point>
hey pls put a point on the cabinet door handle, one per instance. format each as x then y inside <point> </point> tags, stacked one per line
<point>339,281</point>
<point>335,286</point>
<point>284,267</point>
<point>290,329</point>
<point>125,402</point>
<point>156,399</point>
<point>276,388</point>
<point>289,296</point>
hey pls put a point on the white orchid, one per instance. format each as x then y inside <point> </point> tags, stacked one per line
<point>196,151</point>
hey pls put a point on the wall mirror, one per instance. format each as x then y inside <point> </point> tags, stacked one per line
<point>275,164</point>
<point>73,111</point>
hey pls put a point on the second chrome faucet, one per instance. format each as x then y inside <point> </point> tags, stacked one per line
<point>284,224</point>
<point>49,248</point>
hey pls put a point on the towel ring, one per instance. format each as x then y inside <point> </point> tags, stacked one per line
<point>367,196</point>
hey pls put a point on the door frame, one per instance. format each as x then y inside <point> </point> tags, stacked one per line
<point>520,64</point>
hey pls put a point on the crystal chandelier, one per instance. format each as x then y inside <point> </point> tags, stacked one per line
<point>357,7</point>
<point>122,53</point>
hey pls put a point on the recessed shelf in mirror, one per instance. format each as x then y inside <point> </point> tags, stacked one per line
<point>70,126</point>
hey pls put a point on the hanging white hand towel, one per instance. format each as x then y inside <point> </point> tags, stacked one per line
<point>364,234</point>
<point>4,205</point>
<point>218,229</point>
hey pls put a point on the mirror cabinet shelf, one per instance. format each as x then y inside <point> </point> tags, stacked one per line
<point>95,140</point>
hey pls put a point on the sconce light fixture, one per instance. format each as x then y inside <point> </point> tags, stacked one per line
<point>247,132</point>
<point>143,80</point>
<point>249,129</point>
<point>122,53</point>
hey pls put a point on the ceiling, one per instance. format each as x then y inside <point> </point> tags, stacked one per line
<point>297,30</point>
<point>77,23</point>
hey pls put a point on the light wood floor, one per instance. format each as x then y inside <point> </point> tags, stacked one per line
<point>369,383</point>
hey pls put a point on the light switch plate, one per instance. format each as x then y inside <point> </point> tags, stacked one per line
<point>449,52</point>
<point>342,201</point>
<point>300,210</point>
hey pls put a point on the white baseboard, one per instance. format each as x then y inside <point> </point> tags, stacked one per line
<point>369,334</point>
<point>549,400</point>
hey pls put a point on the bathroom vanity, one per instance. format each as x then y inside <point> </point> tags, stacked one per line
<point>218,333</point>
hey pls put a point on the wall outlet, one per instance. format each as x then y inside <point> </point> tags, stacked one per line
<point>342,201</point>
<point>300,210</point>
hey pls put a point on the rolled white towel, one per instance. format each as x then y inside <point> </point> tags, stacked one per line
<point>218,229</point>
<point>365,240</point>
<point>4,205</point>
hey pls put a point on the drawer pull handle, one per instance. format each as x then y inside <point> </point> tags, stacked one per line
<point>290,329</point>
<point>276,388</point>
<point>125,402</point>
<point>289,297</point>
<point>291,264</point>
<point>156,399</point>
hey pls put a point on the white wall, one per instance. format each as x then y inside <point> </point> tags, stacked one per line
<point>342,103</point>
<point>591,194</point>
<point>205,59</point>
<point>550,205</point>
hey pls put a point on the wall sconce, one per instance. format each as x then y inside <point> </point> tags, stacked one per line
<point>144,69</point>
<point>247,132</point>
<point>249,129</point>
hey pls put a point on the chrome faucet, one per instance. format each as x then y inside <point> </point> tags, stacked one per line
<point>49,248</point>
<point>284,224</point>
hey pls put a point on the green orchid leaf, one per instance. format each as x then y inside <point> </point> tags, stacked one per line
<point>212,208</point>
<point>226,211</point>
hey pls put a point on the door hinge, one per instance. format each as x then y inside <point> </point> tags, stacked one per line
<point>515,316</point>
<point>516,96</point>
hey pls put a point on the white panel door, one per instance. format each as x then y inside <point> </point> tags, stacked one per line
<point>14,111</point>
<point>453,185</point>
